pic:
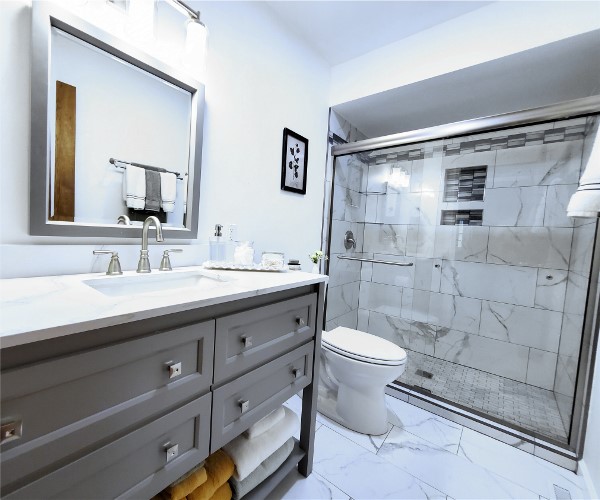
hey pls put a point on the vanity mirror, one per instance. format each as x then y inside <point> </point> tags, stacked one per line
<point>113,131</point>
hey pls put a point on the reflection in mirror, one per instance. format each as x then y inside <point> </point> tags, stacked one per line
<point>123,113</point>
<point>123,134</point>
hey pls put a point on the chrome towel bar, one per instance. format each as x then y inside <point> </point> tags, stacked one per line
<point>391,263</point>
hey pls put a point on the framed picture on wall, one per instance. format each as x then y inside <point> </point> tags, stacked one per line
<point>294,162</point>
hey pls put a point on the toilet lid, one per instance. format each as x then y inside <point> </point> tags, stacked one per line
<point>363,346</point>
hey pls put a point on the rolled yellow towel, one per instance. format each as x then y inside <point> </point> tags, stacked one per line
<point>186,484</point>
<point>223,493</point>
<point>219,468</point>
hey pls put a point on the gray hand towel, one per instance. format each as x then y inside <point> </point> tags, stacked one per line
<point>152,191</point>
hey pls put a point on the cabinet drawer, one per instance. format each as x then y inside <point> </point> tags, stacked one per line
<point>242,402</point>
<point>250,338</point>
<point>70,403</point>
<point>136,465</point>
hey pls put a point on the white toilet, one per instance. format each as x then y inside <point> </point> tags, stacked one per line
<point>355,368</point>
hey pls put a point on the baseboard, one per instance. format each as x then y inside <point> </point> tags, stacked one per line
<point>587,478</point>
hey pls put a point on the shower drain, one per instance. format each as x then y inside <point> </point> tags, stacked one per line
<point>424,374</point>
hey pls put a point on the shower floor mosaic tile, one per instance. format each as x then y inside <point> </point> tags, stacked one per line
<point>514,402</point>
<point>423,456</point>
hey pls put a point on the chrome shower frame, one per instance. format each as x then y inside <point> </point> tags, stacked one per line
<point>565,455</point>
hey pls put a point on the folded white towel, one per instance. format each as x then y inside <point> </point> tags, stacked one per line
<point>168,190</point>
<point>248,454</point>
<point>265,423</point>
<point>134,187</point>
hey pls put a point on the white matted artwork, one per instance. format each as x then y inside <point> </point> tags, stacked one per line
<point>294,162</point>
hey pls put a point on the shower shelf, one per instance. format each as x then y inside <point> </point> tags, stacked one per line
<point>380,193</point>
<point>391,263</point>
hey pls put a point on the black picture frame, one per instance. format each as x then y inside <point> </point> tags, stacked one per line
<point>294,162</point>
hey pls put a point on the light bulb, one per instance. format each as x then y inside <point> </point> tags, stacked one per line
<point>194,54</point>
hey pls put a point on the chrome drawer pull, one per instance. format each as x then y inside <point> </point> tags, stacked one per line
<point>300,321</point>
<point>11,430</point>
<point>246,340</point>
<point>296,372</point>
<point>244,405</point>
<point>174,369</point>
<point>172,451</point>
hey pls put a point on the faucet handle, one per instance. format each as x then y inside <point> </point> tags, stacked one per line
<point>165,263</point>
<point>114,267</point>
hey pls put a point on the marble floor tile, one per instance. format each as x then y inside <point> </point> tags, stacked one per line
<point>437,430</point>
<point>367,441</point>
<point>314,487</point>
<point>523,468</point>
<point>362,474</point>
<point>445,471</point>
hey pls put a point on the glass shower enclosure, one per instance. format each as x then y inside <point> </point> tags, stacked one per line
<point>460,250</point>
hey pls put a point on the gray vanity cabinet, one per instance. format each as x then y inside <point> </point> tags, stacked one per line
<point>124,411</point>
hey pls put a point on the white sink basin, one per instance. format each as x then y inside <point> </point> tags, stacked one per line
<point>154,283</point>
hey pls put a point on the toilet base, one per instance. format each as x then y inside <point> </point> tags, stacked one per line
<point>372,423</point>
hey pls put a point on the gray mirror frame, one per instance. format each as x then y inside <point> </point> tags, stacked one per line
<point>46,15</point>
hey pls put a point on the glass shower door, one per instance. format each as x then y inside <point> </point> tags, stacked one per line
<point>472,266</point>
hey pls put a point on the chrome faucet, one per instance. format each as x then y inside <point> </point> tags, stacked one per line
<point>144,263</point>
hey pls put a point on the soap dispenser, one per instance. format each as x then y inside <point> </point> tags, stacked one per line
<point>217,245</point>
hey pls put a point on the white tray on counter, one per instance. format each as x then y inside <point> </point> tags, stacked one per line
<point>210,264</point>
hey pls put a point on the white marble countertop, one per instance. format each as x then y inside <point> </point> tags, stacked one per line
<point>33,309</point>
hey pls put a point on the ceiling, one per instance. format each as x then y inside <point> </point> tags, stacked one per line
<point>342,30</point>
<point>560,71</point>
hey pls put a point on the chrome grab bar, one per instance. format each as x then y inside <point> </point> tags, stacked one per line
<point>391,263</point>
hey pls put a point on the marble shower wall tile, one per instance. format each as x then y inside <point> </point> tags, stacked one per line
<point>565,408</point>
<point>351,173</point>
<point>566,375</point>
<point>550,289</point>
<point>402,208</point>
<point>342,299</point>
<point>557,199</point>
<point>349,320</point>
<point>371,208</point>
<point>530,246</point>
<point>514,206</point>
<point>403,332</point>
<point>546,164</point>
<point>539,328</point>
<point>427,274</point>
<point>363,320</point>
<point>492,356</point>
<point>541,368</point>
<point>380,238</point>
<point>348,205</point>
<point>455,312</point>
<point>384,299</point>
<point>338,230</point>
<point>343,271</point>
<point>428,175</point>
<point>577,287</point>
<point>509,284</point>
<point>571,335</point>
<point>461,243</point>
<point>582,249</point>
<point>387,274</point>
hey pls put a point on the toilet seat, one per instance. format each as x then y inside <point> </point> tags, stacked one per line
<point>363,347</point>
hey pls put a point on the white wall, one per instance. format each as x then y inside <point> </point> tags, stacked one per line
<point>591,453</point>
<point>260,80</point>
<point>493,31</point>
